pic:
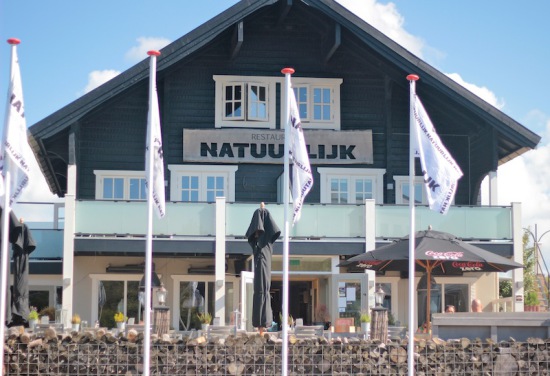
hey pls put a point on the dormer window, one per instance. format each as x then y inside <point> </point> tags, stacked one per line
<point>251,101</point>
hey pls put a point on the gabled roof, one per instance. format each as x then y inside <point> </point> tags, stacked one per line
<point>514,138</point>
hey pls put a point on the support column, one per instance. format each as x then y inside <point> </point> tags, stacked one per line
<point>517,274</point>
<point>493,188</point>
<point>370,244</point>
<point>219,288</point>
<point>68,243</point>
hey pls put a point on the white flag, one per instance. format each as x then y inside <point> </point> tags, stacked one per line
<point>16,154</point>
<point>439,169</point>
<point>302,178</point>
<point>154,138</point>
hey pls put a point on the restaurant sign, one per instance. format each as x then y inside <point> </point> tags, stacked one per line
<point>267,146</point>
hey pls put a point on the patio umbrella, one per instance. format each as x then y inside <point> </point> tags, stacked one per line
<point>436,252</point>
<point>22,246</point>
<point>262,233</point>
<point>102,298</point>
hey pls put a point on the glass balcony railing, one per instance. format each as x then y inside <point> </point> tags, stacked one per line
<point>318,220</point>
<point>199,220</point>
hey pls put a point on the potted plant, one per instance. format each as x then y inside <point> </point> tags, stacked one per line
<point>33,317</point>
<point>364,318</point>
<point>322,316</point>
<point>75,322</point>
<point>46,315</point>
<point>120,320</point>
<point>205,318</point>
<point>290,320</point>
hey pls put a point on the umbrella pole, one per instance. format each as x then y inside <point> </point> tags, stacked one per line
<point>428,297</point>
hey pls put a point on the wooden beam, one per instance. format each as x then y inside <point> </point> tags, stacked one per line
<point>285,8</point>
<point>237,39</point>
<point>336,43</point>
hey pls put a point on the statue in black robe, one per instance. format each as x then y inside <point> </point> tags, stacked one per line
<point>261,234</point>
<point>22,246</point>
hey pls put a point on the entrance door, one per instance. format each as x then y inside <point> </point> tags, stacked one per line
<point>349,296</point>
<point>247,293</point>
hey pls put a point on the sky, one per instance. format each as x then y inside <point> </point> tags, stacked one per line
<point>498,50</point>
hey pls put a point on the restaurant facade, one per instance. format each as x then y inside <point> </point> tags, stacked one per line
<point>221,95</point>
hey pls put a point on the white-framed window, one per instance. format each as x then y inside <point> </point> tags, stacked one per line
<point>245,101</point>
<point>402,190</point>
<point>121,294</point>
<point>120,185</point>
<point>250,101</point>
<point>202,183</point>
<point>318,101</point>
<point>351,185</point>
<point>195,294</point>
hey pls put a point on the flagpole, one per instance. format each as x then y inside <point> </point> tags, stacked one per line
<point>412,148</point>
<point>287,72</point>
<point>6,208</point>
<point>149,239</point>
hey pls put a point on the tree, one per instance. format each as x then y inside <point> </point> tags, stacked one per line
<point>529,281</point>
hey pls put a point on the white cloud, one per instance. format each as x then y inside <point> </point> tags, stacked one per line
<point>481,91</point>
<point>145,44</point>
<point>98,78</point>
<point>524,179</point>
<point>386,19</point>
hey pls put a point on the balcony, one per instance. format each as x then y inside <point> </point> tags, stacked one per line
<point>121,218</point>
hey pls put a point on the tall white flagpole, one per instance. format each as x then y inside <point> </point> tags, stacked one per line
<point>15,134</point>
<point>149,238</point>
<point>412,151</point>
<point>287,72</point>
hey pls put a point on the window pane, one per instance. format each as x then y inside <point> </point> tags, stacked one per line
<point>386,287</point>
<point>190,188</point>
<point>210,196</point>
<point>339,191</point>
<point>363,190</point>
<point>113,188</point>
<point>119,188</point>
<point>417,193</point>
<point>435,302</point>
<point>257,102</point>
<point>301,100</point>
<point>114,302</point>
<point>39,299</point>
<point>191,302</point>
<point>343,198</point>
<point>229,306</point>
<point>132,301</point>
<point>334,184</point>
<point>321,104</point>
<point>326,96</point>
<point>457,295</point>
<point>107,188</point>
<point>135,189</point>
<point>238,92</point>
<point>302,94</point>
<point>233,101</point>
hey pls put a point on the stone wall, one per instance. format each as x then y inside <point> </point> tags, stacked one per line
<point>101,353</point>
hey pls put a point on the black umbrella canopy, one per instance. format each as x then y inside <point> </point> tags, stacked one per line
<point>435,252</point>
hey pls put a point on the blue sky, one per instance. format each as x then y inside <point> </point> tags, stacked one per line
<point>499,50</point>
